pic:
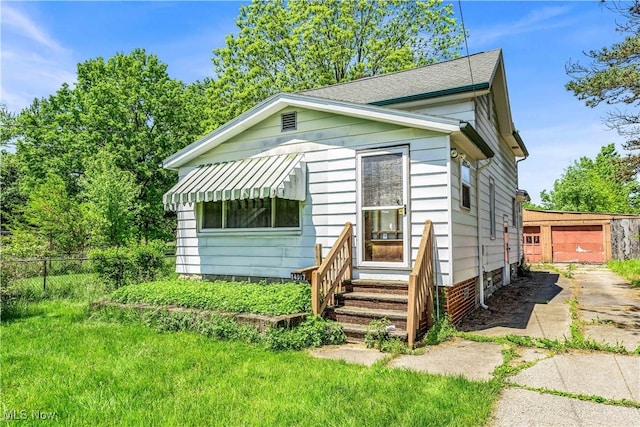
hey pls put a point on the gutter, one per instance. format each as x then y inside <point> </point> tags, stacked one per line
<point>516,136</point>
<point>473,135</point>
<point>434,94</point>
<point>479,226</point>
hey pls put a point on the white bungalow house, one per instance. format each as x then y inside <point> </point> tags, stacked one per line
<point>359,168</point>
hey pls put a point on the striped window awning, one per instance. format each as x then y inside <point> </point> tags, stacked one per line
<point>282,176</point>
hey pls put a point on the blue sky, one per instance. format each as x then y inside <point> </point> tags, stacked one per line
<point>42,42</point>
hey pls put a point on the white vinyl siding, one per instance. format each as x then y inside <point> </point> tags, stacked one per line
<point>481,115</point>
<point>503,171</point>
<point>329,143</point>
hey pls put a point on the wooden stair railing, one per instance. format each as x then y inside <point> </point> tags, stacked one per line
<point>421,281</point>
<point>334,270</point>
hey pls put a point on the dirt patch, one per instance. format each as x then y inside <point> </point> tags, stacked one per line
<point>511,305</point>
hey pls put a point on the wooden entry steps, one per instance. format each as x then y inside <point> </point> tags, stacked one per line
<point>366,300</point>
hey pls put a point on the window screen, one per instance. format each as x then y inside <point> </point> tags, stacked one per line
<point>382,180</point>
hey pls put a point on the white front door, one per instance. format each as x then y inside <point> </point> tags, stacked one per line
<point>383,228</point>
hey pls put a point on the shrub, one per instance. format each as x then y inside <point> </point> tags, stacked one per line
<point>377,333</point>
<point>148,260</point>
<point>128,265</point>
<point>313,332</point>
<point>114,265</point>
<point>441,331</point>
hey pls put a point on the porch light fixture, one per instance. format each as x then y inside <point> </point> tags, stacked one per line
<point>454,153</point>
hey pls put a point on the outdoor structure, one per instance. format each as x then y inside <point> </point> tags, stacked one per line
<point>553,236</point>
<point>409,177</point>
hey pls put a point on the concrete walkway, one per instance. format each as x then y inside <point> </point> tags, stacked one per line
<point>611,306</point>
<point>557,390</point>
<point>470,359</point>
<point>546,394</point>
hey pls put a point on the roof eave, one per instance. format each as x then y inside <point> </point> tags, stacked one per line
<point>467,130</point>
<point>520,142</point>
<point>436,94</point>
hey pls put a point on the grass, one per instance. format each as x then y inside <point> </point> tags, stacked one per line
<point>80,286</point>
<point>235,297</point>
<point>90,372</point>
<point>629,269</point>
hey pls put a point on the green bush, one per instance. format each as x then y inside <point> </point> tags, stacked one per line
<point>148,260</point>
<point>377,333</point>
<point>232,297</point>
<point>313,332</point>
<point>128,265</point>
<point>114,265</point>
<point>442,330</point>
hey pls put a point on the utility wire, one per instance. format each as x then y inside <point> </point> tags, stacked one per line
<point>466,45</point>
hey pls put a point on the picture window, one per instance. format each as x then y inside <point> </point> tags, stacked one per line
<point>251,213</point>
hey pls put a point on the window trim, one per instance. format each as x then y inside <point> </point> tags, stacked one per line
<point>199,211</point>
<point>463,184</point>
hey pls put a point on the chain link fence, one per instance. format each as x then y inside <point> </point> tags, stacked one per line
<point>43,278</point>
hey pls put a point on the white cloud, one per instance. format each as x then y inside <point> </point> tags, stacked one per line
<point>21,24</point>
<point>34,64</point>
<point>537,20</point>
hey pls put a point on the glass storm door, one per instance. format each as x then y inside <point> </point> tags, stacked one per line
<point>382,212</point>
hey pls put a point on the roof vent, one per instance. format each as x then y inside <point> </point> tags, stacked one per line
<point>289,121</point>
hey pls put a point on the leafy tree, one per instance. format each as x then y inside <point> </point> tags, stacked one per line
<point>300,44</point>
<point>594,186</point>
<point>612,77</point>
<point>57,216</point>
<point>52,140</point>
<point>11,199</point>
<point>7,126</point>
<point>111,193</point>
<point>127,106</point>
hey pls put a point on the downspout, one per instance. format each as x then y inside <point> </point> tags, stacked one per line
<point>480,246</point>
<point>519,224</point>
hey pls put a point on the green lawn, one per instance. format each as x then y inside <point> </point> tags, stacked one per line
<point>629,269</point>
<point>79,286</point>
<point>90,372</point>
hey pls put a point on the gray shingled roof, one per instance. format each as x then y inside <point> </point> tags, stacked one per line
<point>405,85</point>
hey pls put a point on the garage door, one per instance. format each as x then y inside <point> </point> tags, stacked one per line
<point>584,243</point>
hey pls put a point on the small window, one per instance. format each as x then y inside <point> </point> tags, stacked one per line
<point>287,213</point>
<point>212,215</point>
<point>289,121</point>
<point>492,208</point>
<point>528,240</point>
<point>251,213</point>
<point>465,184</point>
<point>536,240</point>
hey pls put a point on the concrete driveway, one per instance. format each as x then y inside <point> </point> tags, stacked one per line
<point>609,305</point>
<point>572,388</point>
<point>584,388</point>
